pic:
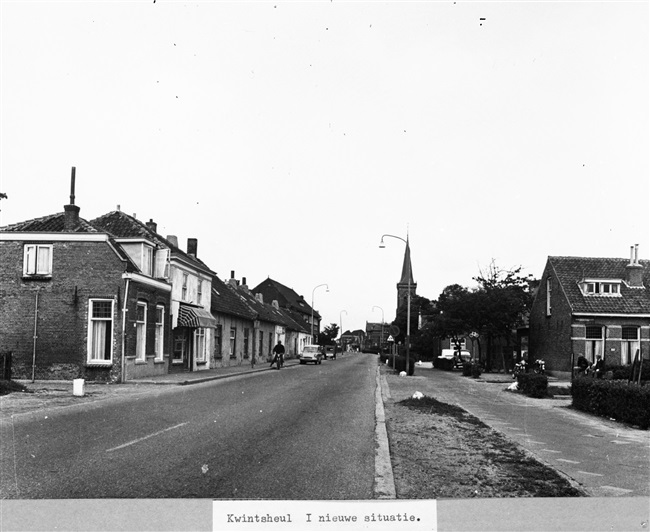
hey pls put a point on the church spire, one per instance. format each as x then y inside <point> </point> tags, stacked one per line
<point>407,270</point>
<point>406,283</point>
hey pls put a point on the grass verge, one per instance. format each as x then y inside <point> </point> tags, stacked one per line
<point>441,451</point>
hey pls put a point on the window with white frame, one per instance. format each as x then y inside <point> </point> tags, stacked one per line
<point>548,296</point>
<point>37,259</point>
<point>141,331</point>
<point>218,339</point>
<point>199,291</point>
<point>593,342</point>
<point>233,341</point>
<point>246,341</point>
<point>160,332</point>
<point>100,331</point>
<point>199,344</point>
<point>184,289</point>
<point>601,287</point>
<point>629,343</point>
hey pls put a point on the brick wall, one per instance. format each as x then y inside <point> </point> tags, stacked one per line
<point>550,336</point>
<point>80,270</point>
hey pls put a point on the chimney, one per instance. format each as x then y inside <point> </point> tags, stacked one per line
<point>243,281</point>
<point>151,225</point>
<point>192,244</point>
<point>173,240</point>
<point>634,270</point>
<point>118,208</point>
<point>71,211</point>
<point>232,274</point>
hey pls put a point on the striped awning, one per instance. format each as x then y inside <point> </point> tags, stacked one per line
<point>195,317</point>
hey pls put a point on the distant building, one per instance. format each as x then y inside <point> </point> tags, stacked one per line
<point>288,299</point>
<point>377,335</point>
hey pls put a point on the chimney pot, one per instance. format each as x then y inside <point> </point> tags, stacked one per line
<point>243,281</point>
<point>634,270</point>
<point>151,225</point>
<point>232,274</point>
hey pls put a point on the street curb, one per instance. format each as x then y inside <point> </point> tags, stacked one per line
<point>204,379</point>
<point>384,487</point>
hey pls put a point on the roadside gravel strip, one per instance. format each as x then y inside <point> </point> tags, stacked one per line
<point>384,480</point>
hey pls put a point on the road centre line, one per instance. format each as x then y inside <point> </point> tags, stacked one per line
<point>592,474</point>
<point>145,437</point>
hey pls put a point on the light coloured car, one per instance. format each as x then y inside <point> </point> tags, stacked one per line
<point>452,356</point>
<point>311,353</point>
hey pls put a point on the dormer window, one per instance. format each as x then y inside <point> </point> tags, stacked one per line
<point>603,287</point>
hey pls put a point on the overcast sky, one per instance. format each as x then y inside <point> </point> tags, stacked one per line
<point>289,136</point>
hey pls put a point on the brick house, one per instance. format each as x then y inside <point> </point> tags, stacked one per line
<point>592,307</point>
<point>75,303</point>
<point>192,324</point>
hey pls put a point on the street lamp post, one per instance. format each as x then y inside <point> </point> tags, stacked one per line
<point>327,289</point>
<point>408,301</point>
<point>341,326</point>
<point>381,339</point>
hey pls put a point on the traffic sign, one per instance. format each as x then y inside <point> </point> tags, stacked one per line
<point>390,339</point>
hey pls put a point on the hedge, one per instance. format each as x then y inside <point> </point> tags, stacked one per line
<point>619,400</point>
<point>625,372</point>
<point>400,363</point>
<point>533,384</point>
<point>472,369</point>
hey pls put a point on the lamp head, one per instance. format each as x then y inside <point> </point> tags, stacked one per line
<point>381,244</point>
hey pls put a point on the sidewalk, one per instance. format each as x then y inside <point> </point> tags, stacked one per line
<point>195,377</point>
<point>47,394</point>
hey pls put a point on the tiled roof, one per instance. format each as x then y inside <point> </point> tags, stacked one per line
<point>570,271</point>
<point>53,223</point>
<point>226,301</point>
<point>285,296</point>
<point>121,225</point>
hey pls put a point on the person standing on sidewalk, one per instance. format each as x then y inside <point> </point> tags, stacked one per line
<point>278,354</point>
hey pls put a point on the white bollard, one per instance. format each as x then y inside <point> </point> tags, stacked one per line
<point>78,387</point>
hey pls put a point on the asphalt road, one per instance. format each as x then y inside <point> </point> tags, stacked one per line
<point>305,432</point>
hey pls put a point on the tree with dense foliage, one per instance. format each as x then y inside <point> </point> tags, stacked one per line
<point>507,299</point>
<point>328,334</point>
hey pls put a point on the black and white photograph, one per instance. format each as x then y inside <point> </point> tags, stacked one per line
<point>324,265</point>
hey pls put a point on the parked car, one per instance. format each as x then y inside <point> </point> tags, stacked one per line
<point>330,351</point>
<point>452,357</point>
<point>311,353</point>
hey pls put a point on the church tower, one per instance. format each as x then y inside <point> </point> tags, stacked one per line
<point>406,282</point>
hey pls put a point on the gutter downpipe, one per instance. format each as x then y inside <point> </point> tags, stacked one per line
<point>35,337</point>
<point>124,311</point>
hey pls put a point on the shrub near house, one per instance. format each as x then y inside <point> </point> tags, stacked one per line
<point>619,400</point>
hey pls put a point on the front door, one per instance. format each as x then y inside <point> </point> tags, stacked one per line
<point>182,349</point>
